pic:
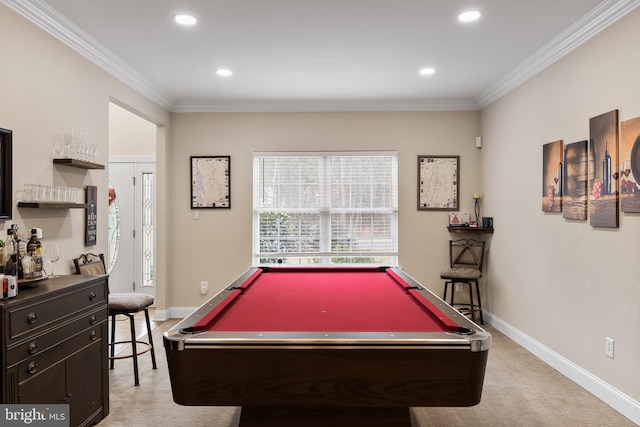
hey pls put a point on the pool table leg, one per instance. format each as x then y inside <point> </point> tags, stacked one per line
<point>315,417</point>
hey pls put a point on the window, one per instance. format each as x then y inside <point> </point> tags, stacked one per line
<point>325,208</point>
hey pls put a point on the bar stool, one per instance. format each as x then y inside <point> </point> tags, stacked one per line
<point>127,304</point>
<point>465,267</point>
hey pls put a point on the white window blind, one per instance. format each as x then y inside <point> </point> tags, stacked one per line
<point>325,208</point>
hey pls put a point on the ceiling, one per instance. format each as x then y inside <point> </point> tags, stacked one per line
<point>323,55</point>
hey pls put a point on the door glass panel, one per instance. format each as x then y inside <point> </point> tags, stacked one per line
<point>147,229</point>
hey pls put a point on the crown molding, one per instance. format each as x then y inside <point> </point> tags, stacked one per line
<point>605,14</point>
<point>324,106</point>
<point>39,13</point>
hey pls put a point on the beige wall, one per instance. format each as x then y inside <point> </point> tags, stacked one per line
<point>130,136</point>
<point>564,283</point>
<point>46,89</point>
<point>217,247</point>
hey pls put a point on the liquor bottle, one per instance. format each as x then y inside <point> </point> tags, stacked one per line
<point>9,253</point>
<point>34,246</point>
<point>34,252</point>
<point>20,249</point>
<point>606,170</point>
<point>8,245</point>
<point>18,263</point>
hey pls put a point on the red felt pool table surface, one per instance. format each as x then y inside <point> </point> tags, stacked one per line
<point>326,346</point>
<point>317,299</point>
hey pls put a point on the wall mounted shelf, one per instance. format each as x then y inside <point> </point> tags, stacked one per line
<point>470,230</point>
<point>43,205</point>
<point>75,163</point>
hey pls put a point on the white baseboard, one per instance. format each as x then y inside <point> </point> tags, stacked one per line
<point>173,313</point>
<point>603,391</point>
<point>161,315</point>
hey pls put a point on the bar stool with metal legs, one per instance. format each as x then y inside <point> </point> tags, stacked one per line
<point>127,304</point>
<point>465,267</point>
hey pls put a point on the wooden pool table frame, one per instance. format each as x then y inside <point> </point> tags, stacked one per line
<point>319,372</point>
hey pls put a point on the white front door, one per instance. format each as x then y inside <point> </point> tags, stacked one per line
<point>131,255</point>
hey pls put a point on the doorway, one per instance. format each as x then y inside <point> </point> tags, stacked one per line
<point>131,258</point>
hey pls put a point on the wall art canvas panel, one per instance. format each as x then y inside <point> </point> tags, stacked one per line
<point>603,143</point>
<point>552,177</point>
<point>630,165</point>
<point>576,181</point>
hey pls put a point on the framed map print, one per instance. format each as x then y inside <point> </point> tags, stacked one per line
<point>438,183</point>
<point>210,182</point>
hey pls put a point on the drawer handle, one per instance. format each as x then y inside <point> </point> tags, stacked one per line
<point>33,348</point>
<point>92,296</point>
<point>32,367</point>
<point>93,320</point>
<point>32,318</point>
<point>94,335</point>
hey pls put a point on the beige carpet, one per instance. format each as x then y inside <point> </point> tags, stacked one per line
<point>519,390</point>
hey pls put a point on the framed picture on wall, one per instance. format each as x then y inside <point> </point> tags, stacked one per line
<point>210,182</point>
<point>6,168</point>
<point>91,215</point>
<point>439,183</point>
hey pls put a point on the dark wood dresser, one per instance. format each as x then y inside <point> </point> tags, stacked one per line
<point>55,346</point>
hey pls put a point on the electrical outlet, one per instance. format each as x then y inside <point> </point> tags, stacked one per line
<point>608,350</point>
<point>204,287</point>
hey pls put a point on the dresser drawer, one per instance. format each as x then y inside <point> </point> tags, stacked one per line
<point>29,319</point>
<point>43,360</point>
<point>40,343</point>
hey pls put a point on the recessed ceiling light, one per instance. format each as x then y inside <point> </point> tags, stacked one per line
<point>223,72</point>
<point>427,71</point>
<point>469,16</point>
<point>185,19</point>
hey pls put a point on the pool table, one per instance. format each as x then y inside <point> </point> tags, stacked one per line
<point>326,346</point>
